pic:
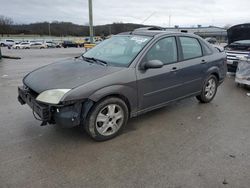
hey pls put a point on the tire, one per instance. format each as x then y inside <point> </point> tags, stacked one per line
<point>17,47</point>
<point>209,89</point>
<point>2,45</point>
<point>113,116</point>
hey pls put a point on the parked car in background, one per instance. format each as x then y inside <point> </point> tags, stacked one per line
<point>238,45</point>
<point>80,42</point>
<point>127,75</point>
<point>68,44</point>
<point>51,44</point>
<point>21,45</point>
<point>98,40</point>
<point>242,75</point>
<point>37,45</point>
<point>7,42</point>
<point>211,40</point>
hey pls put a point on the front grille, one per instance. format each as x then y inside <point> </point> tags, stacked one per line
<point>235,55</point>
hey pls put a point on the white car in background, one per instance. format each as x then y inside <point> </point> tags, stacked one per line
<point>7,42</point>
<point>28,45</point>
<point>21,45</point>
<point>37,45</point>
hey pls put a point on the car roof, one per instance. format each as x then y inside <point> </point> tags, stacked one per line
<point>146,33</point>
<point>153,31</point>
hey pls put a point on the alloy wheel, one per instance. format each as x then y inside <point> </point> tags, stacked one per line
<point>210,88</point>
<point>109,120</point>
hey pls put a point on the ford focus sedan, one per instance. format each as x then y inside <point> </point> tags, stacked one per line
<point>127,75</point>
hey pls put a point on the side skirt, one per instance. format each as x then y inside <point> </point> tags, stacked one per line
<point>140,112</point>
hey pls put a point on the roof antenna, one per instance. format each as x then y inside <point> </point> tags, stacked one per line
<point>148,17</point>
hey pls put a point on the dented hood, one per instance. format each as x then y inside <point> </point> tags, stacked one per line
<point>66,74</point>
<point>238,32</point>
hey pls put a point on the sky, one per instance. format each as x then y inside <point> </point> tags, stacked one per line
<point>159,12</point>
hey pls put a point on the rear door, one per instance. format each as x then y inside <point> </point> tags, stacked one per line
<point>193,65</point>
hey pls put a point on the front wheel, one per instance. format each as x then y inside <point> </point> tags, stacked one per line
<point>209,89</point>
<point>106,119</point>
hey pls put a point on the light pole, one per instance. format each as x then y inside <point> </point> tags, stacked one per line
<point>49,30</point>
<point>91,31</point>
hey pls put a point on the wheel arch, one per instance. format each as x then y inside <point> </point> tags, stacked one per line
<point>214,71</point>
<point>216,75</point>
<point>117,95</point>
<point>125,92</point>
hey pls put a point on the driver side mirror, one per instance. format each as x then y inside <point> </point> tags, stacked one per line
<point>153,64</point>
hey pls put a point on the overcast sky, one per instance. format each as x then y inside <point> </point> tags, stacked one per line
<point>183,12</point>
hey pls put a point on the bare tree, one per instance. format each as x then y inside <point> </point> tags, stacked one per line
<point>5,25</point>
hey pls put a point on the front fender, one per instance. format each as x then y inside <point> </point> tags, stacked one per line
<point>119,83</point>
<point>126,91</point>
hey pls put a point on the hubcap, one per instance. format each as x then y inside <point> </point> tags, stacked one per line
<point>109,119</point>
<point>210,88</point>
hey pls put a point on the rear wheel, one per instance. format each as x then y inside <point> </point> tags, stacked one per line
<point>106,119</point>
<point>209,89</point>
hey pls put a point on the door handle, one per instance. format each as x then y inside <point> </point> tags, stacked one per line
<point>174,69</point>
<point>203,61</point>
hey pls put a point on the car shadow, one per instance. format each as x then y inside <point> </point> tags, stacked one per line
<point>78,133</point>
<point>155,114</point>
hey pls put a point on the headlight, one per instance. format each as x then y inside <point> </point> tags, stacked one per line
<point>52,96</point>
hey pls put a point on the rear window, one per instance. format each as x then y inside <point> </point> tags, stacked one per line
<point>191,47</point>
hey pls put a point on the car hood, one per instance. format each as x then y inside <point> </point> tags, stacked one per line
<point>66,74</point>
<point>238,32</point>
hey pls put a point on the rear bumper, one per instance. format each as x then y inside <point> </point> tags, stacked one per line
<point>64,115</point>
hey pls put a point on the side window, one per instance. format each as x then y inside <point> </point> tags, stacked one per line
<point>164,50</point>
<point>191,48</point>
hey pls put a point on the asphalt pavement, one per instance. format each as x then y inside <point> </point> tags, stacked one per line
<point>186,144</point>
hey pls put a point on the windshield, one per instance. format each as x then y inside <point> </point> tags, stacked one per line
<point>119,50</point>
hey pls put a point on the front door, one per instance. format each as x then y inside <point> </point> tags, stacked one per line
<point>160,85</point>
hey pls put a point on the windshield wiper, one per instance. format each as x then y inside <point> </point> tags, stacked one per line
<point>94,60</point>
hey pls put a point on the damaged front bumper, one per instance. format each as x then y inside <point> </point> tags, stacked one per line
<point>65,115</point>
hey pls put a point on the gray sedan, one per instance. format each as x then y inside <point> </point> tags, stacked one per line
<point>127,75</point>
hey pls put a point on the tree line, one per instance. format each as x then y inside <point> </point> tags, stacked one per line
<point>56,28</point>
